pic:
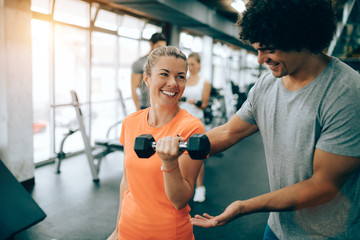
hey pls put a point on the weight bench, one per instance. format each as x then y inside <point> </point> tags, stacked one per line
<point>103,148</point>
<point>111,145</point>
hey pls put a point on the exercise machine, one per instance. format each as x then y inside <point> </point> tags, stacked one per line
<point>102,147</point>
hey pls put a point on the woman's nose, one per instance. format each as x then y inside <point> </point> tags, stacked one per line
<point>171,80</point>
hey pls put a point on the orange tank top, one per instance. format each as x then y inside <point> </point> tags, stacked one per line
<point>146,212</point>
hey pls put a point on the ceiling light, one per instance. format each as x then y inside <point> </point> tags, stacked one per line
<point>238,5</point>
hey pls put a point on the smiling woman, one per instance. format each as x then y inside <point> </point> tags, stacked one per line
<point>167,82</point>
<point>154,193</point>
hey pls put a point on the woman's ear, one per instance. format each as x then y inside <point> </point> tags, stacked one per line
<point>146,80</point>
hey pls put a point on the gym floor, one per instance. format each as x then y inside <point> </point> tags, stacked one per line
<point>77,208</point>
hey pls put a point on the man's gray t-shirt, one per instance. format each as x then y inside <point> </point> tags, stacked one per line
<point>325,114</point>
<point>138,68</point>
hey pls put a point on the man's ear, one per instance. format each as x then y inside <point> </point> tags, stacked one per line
<point>146,79</point>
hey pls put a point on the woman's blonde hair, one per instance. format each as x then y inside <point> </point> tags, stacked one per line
<point>167,51</point>
<point>196,56</point>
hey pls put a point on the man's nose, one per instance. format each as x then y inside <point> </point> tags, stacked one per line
<point>262,58</point>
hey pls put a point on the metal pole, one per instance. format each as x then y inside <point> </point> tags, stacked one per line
<point>85,138</point>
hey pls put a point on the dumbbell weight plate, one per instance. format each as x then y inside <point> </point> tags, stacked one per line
<point>143,146</point>
<point>198,146</point>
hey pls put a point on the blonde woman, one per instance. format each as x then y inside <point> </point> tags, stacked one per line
<point>154,192</point>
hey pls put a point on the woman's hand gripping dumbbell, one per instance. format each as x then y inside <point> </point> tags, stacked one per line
<point>198,146</point>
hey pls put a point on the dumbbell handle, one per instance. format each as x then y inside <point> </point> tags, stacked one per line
<point>182,145</point>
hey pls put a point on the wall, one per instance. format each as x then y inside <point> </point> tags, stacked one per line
<point>16,136</point>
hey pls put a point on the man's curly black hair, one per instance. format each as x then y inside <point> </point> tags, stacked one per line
<point>288,24</point>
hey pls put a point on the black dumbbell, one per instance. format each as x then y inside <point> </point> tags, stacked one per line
<point>198,146</point>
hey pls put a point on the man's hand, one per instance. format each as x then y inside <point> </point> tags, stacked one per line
<point>232,212</point>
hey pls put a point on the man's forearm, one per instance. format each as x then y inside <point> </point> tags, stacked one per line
<point>225,136</point>
<point>218,139</point>
<point>301,195</point>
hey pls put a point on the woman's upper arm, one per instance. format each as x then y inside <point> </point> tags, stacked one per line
<point>189,168</point>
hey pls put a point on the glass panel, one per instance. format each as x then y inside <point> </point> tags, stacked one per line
<point>104,116</point>
<point>149,30</point>
<point>73,12</point>
<point>107,20</point>
<point>41,103</point>
<point>71,63</point>
<point>197,45</point>
<point>128,53</point>
<point>41,6</point>
<point>103,48</point>
<point>65,120</point>
<point>130,27</point>
<point>217,48</point>
<point>124,83</point>
<point>103,84</point>
<point>144,48</point>
<point>186,40</point>
<point>71,67</point>
<point>219,72</point>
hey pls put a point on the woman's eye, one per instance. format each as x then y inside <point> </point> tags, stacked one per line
<point>164,74</point>
<point>181,78</point>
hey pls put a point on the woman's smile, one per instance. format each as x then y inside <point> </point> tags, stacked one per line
<point>169,93</point>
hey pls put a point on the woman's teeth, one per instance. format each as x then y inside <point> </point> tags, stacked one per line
<point>169,93</point>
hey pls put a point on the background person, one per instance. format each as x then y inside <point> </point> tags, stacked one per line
<point>197,94</point>
<point>141,97</point>
<point>154,192</point>
<point>308,113</point>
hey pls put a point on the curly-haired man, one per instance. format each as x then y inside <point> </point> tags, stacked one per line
<point>307,109</point>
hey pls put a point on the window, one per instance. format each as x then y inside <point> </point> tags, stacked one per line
<point>71,55</point>
<point>41,88</point>
<point>41,6</point>
<point>64,59</point>
<point>149,30</point>
<point>107,20</point>
<point>130,27</point>
<point>73,12</point>
<point>103,84</point>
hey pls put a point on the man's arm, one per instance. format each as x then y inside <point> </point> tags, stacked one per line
<point>225,136</point>
<point>331,171</point>
<point>135,83</point>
